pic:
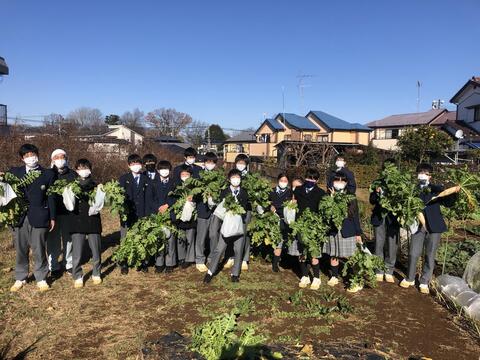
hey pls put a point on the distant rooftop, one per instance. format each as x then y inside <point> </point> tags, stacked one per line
<point>296,121</point>
<point>244,136</point>
<point>334,123</point>
<point>413,119</point>
<point>3,66</point>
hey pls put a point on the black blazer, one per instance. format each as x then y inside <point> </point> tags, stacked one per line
<point>138,198</point>
<point>41,208</point>
<point>160,194</point>
<point>308,200</point>
<point>433,215</point>
<point>79,221</point>
<point>351,183</point>
<point>195,171</point>
<point>242,198</point>
<point>277,200</point>
<point>376,219</point>
<point>351,224</point>
<point>69,175</point>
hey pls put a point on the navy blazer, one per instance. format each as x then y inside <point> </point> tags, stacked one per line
<point>160,194</point>
<point>351,183</point>
<point>308,200</point>
<point>195,171</point>
<point>242,198</point>
<point>41,208</point>
<point>138,198</point>
<point>433,215</point>
<point>277,200</point>
<point>378,212</point>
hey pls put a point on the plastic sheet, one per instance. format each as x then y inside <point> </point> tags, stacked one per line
<point>473,310</point>
<point>465,298</point>
<point>472,272</point>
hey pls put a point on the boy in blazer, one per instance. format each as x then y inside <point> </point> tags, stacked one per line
<point>190,156</point>
<point>32,228</point>
<point>340,165</point>
<point>150,163</point>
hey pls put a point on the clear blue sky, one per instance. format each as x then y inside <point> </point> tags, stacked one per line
<point>226,61</point>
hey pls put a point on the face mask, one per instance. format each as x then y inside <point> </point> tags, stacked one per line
<point>339,186</point>
<point>309,184</point>
<point>423,178</point>
<point>340,164</point>
<point>184,178</point>
<point>190,160</point>
<point>209,166</point>
<point>282,185</point>
<point>84,173</point>
<point>164,173</point>
<point>60,163</point>
<point>136,168</point>
<point>241,167</point>
<point>31,161</point>
<point>150,167</point>
<point>235,181</point>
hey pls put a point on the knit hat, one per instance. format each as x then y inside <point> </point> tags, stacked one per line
<point>55,153</point>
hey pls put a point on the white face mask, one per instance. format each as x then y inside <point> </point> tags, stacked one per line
<point>31,161</point>
<point>164,173</point>
<point>241,167</point>
<point>60,163</point>
<point>339,186</point>
<point>184,178</point>
<point>340,164</point>
<point>136,168</point>
<point>423,178</point>
<point>210,166</point>
<point>282,185</point>
<point>84,173</point>
<point>235,181</point>
<point>190,160</point>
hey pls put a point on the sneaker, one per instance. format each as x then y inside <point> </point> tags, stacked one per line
<point>186,265</point>
<point>315,284</point>
<point>304,282</point>
<point>42,286</point>
<point>17,285</point>
<point>333,281</point>
<point>78,284</point>
<point>244,266</point>
<point>228,264</point>
<point>124,270</point>
<point>424,289</point>
<point>235,279</point>
<point>69,271</point>
<point>406,284</point>
<point>159,269</point>
<point>379,277</point>
<point>389,278</point>
<point>55,274</point>
<point>201,267</point>
<point>97,280</point>
<point>354,288</point>
<point>168,269</point>
<point>207,278</point>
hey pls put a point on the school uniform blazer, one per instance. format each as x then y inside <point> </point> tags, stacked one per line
<point>277,199</point>
<point>79,221</point>
<point>351,183</point>
<point>351,225</point>
<point>138,199</point>
<point>41,208</point>
<point>433,215</point>
<point>69,175</point>
<point>160,194</point>
<point>242,198</point>
<point>308,200</point>
<point>195,171</point>
<point>378,212</point>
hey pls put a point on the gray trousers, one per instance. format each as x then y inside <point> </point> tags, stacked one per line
<point>168,255</point>
<point>78,246</point>
<point>238,247</point>
<point>186,246</point>
<point>246,250</point>
<point>210,227</point>
<point>386,244</point>
<point>27,237</point>
<point>418,242</point>
<point>59,242</point>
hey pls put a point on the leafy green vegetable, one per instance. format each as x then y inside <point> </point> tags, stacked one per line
<point>115,198</point>
<point>265,229</point>
<point>333,209</point>
<point>313,232</point>
<point>59,186</point>
<point>212,183</point>
<point>362,268</point>
<point>258,189</point>
<point>231,205</point>
<point>459,253</point>
<point>290,204</point>
<point>189,188</point>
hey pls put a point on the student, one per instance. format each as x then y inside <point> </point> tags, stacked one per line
<point>32,228</point>
<point>427,238</point>
<point>84,226</point>
<point>150,162</point>
<point>190,155</point>
<point>206,223</point>
<point>342,242</point>
<point>308,196</point>
<point>297,181</point>
<point>162,185</point>
<point>279,195</point>
<point>387,233</point>
<point>293,249</point>
<point>59,240</point>
<point>138,196</point>
<point>341,165</point>
<point>242,161</point>
<point>185,243</point>
<point>241,196</point>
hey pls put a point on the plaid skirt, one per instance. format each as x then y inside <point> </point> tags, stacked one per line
<point>341,247</point>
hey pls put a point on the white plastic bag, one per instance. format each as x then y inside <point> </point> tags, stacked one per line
<point>95,208</point>
<point>8,194</point>
<point>187,211</point>
<point>260,210</point>
<point>414,227</point>
<point>366,250</point>
<point>210,202</point>
<point>220,210</point>
<point>68,198</point>
<point>289,215</point>
<point>232,225</point>
<point>166,232</point>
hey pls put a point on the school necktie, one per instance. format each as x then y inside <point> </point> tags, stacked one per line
<point>137,180</point>
<point>235,193</point>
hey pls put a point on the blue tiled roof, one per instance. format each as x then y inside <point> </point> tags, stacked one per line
<point>335,123</point>
<point>298,121</point>
<point>274,124</point>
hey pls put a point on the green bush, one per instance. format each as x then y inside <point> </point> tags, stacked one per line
<point>457,255</point>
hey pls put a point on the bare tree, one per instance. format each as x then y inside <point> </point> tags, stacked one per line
<point>306,154</point>
<point>133,119</point>
<point>86,117</point>
<point>195,132</point>
<point>168,121</point>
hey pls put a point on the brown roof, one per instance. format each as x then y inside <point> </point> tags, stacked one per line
<point>474,81</point>
<point>412,119</point>
<point>444,117</point>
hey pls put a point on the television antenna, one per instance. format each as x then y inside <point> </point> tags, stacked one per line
<point>301,86</point>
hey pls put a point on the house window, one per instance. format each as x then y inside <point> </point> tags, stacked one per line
<point>307,137</point>
<point>265,138</point>
<point>476,113</point>
<point>288,137</point>
<point>383,134</point>
<point>322,138</point>
<point>240,148</point>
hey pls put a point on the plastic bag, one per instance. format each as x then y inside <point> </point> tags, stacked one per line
<point>7,194</point>
<point>210,202</point>
<point>260,210</point>
<point>366,250</point>
<point>68,198</point>
<point>289,215</point>
<point>472,272</point>
<point>166,232</point>
<point>232,225</point>
<point>414,227</point>
<point>220,211</point>
<point>187,211</point>
<point>97,205</point>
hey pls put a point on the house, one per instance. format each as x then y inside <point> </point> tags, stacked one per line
<point>122,132</point>
<point>467,100</point>
<point>238,144</point>
<point>170,143</point>
<point>4,129</point>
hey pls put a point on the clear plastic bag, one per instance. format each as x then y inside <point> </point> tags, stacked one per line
<point>220,210</point>
<point>289,215</point>
<point>7,194</point>
<point>472,272</point>
<point>97,205</point>
<point>68,198</point>
<point>232,225</point>
<point>187,211</point>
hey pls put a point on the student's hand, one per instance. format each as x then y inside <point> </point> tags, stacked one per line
<point>52,225</point>
<point>378,189</point>
<point>332,191</point>
<point>163,208</point>
<point>358,239</point>
<point>272,209</point>
<point>190,198</point>
<point>458,188</point>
